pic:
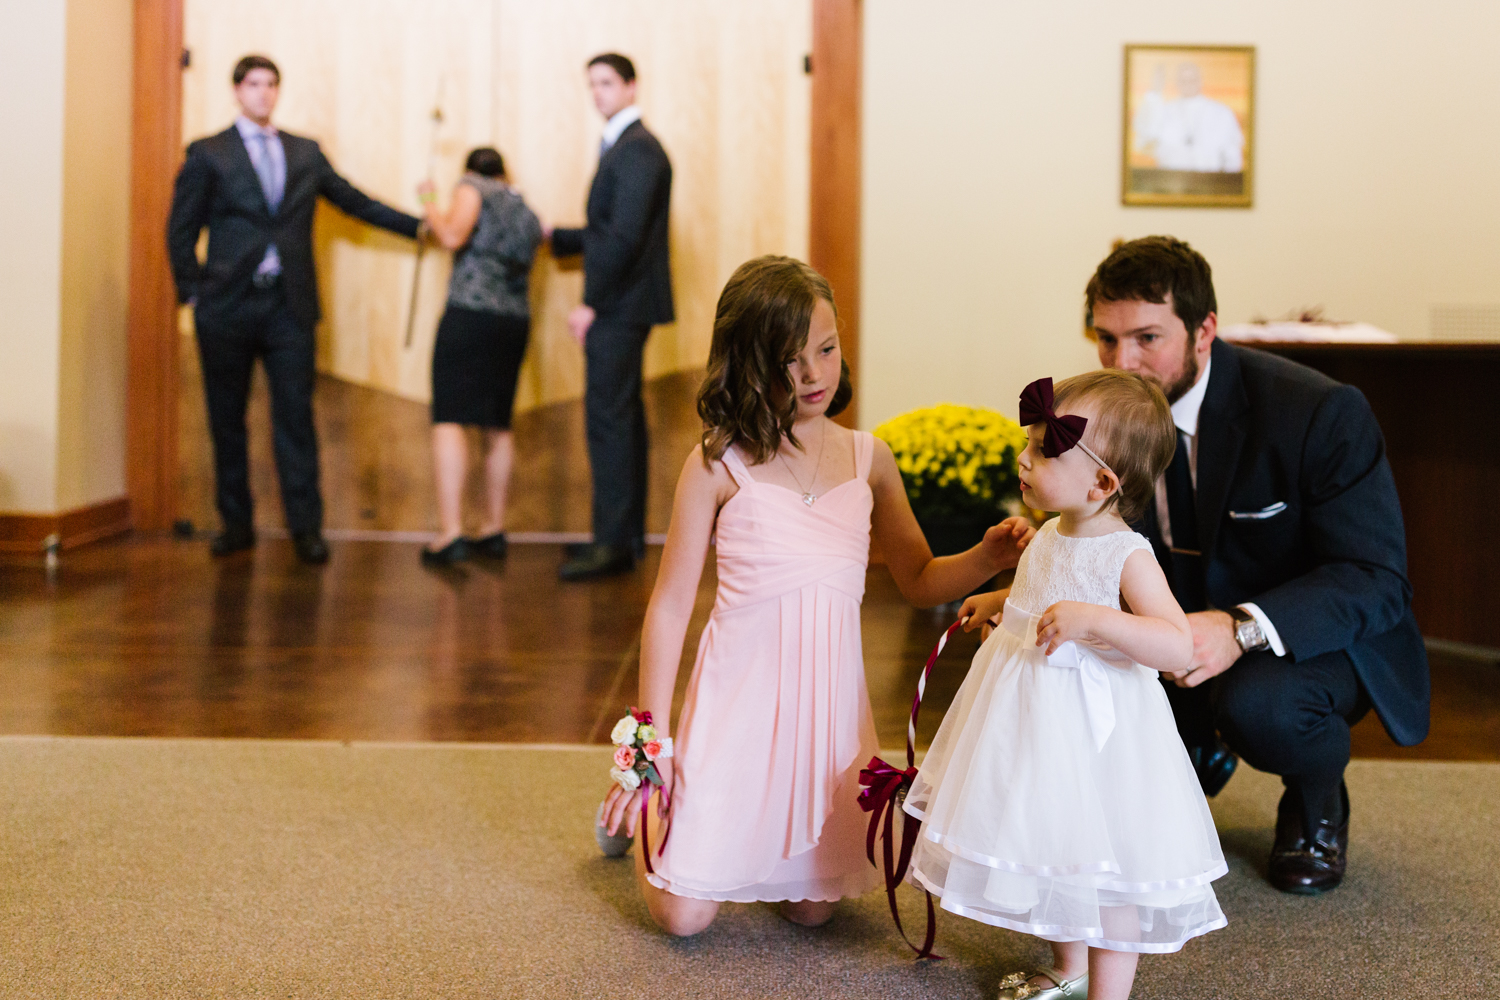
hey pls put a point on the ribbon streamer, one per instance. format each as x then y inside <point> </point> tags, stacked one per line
<point>645,836</point>
<point>884,793</point>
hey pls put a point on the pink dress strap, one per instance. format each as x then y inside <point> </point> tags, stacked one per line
<point>738,471</point>
<point>864,453</point>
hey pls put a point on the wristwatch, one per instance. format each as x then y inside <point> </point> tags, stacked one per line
<point>1247,631</point>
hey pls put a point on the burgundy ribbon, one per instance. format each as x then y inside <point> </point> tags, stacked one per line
<point>645,836</point>
<point>1063,432</point>
<point>884,793</point>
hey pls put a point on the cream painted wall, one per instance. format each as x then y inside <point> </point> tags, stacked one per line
<point>722,85</point>
<point>32,42</point>
<point>991,177</point>
<point>95,253</point>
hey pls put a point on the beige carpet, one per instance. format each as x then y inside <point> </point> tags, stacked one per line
<point>159,868</point>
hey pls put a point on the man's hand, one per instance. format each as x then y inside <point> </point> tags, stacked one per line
<point>1214,648</point>
<point>579,321</point>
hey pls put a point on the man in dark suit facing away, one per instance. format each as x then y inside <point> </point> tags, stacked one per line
<point>256,295</point>
<point>627,289</point>
<point>1279,528</point>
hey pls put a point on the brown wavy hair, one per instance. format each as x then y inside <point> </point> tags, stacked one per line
<point>748,397</point>
<point>1132,431</point>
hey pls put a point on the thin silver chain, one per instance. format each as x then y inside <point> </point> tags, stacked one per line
<point>808,497</point>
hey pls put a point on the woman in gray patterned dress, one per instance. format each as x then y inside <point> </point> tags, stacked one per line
<point>480,342</point>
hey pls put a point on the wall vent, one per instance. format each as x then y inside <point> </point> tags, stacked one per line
<point>1481,322</point>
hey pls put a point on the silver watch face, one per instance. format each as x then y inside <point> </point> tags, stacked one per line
<point>1249,635</point>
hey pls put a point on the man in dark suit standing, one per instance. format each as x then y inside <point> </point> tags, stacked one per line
<point>255,188</point>
<point>627,289</point>
<point>1278,525</point>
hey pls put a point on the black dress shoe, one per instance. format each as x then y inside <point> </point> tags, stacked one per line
<point>230,540</point>
<point>455,551</point>
<point>573,550</point>
<point>490,546</point>
<point>1214,766</point>
<point>597,561</point>
<point>310,547</point>
<point>1309,865</point>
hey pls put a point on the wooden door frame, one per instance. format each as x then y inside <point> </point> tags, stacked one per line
<point>156,151</point>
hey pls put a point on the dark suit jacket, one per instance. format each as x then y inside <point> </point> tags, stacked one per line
<point>1329,569</point>
<point>627,275</point>
<point>217,187</point>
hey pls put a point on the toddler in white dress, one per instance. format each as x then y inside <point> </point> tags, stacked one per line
<point>1057,798</point>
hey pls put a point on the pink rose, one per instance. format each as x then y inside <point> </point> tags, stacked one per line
<point>624,758</point>
<point>652,748</point>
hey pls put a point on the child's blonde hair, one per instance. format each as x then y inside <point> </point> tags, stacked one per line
<point>1132,430</point>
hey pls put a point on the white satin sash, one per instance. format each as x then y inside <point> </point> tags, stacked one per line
<point>1093,671</point>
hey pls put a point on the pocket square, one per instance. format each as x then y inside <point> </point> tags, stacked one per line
<point>1258,515</point>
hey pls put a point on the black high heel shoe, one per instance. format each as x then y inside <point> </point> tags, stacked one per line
<point>455,551</point>
<point>490,546</point>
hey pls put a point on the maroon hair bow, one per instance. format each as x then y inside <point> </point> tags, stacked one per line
<point>1062,432</point>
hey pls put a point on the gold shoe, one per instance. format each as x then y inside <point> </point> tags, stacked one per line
<point>1016,986</point>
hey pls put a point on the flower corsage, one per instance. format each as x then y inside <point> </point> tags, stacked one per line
<point>637,749</point>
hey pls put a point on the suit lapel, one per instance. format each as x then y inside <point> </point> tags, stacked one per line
<point>1221,436</point>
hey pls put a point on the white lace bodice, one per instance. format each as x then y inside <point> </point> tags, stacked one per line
<point>1058,567</point>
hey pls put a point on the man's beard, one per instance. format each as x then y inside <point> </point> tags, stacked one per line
<point>1189,375</point>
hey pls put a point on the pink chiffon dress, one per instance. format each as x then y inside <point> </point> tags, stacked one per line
<point>777,721</point>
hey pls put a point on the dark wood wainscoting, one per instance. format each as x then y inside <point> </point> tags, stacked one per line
<point>1439,408</point>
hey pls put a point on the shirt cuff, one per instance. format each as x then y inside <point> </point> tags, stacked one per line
<point>1265,626</point>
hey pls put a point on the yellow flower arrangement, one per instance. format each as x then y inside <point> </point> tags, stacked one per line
<point>958,462</point>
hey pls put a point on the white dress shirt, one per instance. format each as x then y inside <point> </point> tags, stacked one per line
<point>1185,416</point>
<point>619,123</point>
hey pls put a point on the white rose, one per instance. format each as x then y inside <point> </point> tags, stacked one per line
<point>627,780</point>
<point>624,732</point>
<point>666,747</point>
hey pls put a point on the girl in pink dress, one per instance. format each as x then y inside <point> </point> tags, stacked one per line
<point>776,724</point>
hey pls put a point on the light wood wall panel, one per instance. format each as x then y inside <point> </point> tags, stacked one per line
<point>722,85</point>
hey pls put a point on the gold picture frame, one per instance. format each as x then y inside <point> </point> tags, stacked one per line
<point>1188,131</point>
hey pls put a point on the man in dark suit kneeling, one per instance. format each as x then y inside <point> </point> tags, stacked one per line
<point>627,288</point>
<point>255,188</point>
<point>1279,528</point>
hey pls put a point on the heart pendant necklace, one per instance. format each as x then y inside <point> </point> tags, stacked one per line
<point>808,496</point>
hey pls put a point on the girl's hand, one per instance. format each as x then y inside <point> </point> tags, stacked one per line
<point>622,806</point>
<point>1004,543</point>
<point>983,609</point>
<point>1065,621</point>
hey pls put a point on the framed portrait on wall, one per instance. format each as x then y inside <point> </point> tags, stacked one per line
<point>1189,125</point>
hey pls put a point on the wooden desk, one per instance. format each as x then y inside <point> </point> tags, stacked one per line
<point>1439,406</point>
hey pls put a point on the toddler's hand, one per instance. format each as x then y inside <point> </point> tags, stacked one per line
<point>1005,542</point>
<point>1065,621</point>
<point>983,609</point>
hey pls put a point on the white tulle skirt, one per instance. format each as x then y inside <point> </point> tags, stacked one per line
<point>1026,825</point>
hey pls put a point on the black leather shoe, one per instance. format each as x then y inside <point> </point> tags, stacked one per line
<point>230,540</point>
<point>310,547</point>
<point>490,546</point>
<point>1308,866</point>
<point>597,561</point>
<point>1214,766</point>
<point>455,551</point>
<point>575,549</point>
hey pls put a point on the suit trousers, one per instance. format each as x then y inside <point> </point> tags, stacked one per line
<point>615,420</point>
<point>1283,717</point>
<point>265,328</point>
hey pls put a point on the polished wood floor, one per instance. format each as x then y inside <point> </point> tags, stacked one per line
<point>377,463</point>
<point>150,636</point>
